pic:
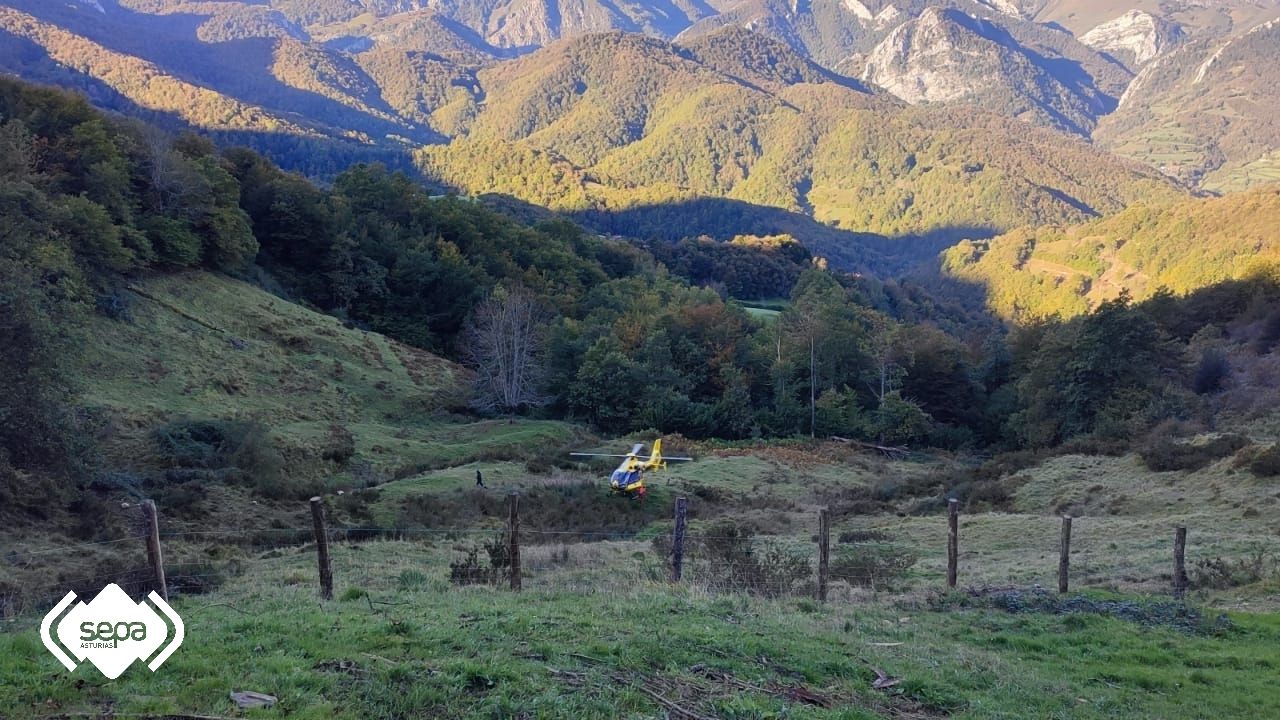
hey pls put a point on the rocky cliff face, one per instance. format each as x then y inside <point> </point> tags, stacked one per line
<point>1135,37</point>
<point>946,55</point>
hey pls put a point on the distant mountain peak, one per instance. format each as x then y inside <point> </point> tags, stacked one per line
<point>947,55</point>
<point>1135,38</point>
<point>1004,6</point>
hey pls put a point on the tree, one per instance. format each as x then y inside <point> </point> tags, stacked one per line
<point>503,343</point>
<point>605,387</point>
<point>900,420</point>
<point>827,329</point>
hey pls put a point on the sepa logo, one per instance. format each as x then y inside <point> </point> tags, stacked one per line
<point>111,632</point>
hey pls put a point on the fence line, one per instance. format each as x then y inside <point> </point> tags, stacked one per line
<point>721,572</point>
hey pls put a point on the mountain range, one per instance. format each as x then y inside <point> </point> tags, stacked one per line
<point>852,124</point>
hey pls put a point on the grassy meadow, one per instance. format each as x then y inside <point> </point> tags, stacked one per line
<point>598,634</point>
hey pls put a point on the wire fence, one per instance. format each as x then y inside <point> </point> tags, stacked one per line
<point>719,556</point>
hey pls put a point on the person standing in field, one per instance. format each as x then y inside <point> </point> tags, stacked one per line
<point>479,479</point>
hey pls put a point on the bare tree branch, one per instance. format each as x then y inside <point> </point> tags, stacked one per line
<point>504,339</point>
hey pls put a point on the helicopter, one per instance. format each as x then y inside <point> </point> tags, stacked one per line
<point>628,479</point>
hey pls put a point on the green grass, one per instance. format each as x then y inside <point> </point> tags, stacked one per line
<point>762,313</point>
<point>197,346</point>
<point>586,637</point>
<point>764,309</point>
<point>201,346</point>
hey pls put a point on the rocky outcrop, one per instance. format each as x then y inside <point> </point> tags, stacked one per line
<point>946,55</point>
<point>534,23</point>
<point>1134,38</point>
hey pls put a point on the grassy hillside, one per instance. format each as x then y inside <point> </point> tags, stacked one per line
<point>1067,270</point>
<point>297,372</point>
<point>210,395</point>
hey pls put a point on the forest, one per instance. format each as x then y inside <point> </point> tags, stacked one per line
<point>628,337</point>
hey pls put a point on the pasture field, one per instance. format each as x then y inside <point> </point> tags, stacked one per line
<point>597,633</point>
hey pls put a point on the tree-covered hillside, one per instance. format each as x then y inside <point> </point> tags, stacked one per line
<point>1037,272</point>
<point>629,126</point>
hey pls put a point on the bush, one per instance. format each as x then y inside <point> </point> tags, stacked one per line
<point>206,444</point>
<point>1226,573</point>
<point>735,560</point>
<point>1165,454</point>
<point>186,498</point>
<point>879,567</point>
<point>1211,372</point>
<point>1266,463</point>
<point>174,241</point>
<point>340,446</point>
<point>470,570</point>
<point>411,580</point>
<point>230,451</point>
<point>116,304</point>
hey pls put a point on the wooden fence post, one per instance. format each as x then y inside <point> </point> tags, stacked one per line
<point>321,529</point>
<point>1179,562</point>
<point>677,540</point>
<point>953,540</point>
<point>1064,558</point>
<point>824,551</point>
<point>154,557</point>
<point>513,537</point>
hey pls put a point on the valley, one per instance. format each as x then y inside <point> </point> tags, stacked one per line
<point>369,286</point>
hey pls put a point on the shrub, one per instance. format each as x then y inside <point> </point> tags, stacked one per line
<point>1211,372</point>
<point>1164,454</point>
<point>204,444</point>
<point>173,240</point>
<point>340,446</point>
<point>262,466</point>
<point>186,498</point>
<point>879,567</point>
<point>1226,573</point>
<point>1266,463</point>
<point>735,560</point>
<point>116,304</point>
<point>411,580</point>
<point>470,570</point>
<point>230,451</point>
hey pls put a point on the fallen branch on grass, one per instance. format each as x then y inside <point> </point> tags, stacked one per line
<point>888,450</point>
